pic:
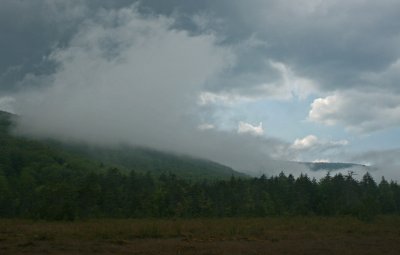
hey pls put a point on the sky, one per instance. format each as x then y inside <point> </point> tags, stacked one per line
<point>251,84</point>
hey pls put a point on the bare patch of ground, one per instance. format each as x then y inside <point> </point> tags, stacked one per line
<point>297,235</point>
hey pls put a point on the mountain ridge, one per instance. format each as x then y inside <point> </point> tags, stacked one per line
<point>331,166</point>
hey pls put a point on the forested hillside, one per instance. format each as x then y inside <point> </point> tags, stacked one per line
<point>48,181</point>
<point>144,160</point>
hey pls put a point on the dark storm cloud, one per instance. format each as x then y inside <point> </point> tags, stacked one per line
<point>30,30</point>
<point>333,42</point>
<point>336,43</point>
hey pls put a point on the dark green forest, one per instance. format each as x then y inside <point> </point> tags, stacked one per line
<point>62,193</point>
<point>40,180</point>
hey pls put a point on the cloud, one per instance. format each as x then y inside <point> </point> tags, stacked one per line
<point>357,111</point>
<point>124,76</point>
<point>131,78</point>
<point>206,126</point>
<point>6,104</point>
<point>286,86</point>
<point>246,128</point>
<point>290,84</point>
<point>311,142</point>
<point>153,73</point>
<point>323,110</point>
<point>40,26</point>
<point>333,50</point>
<point>387,79</point>
<point>382,163</point>
<point>311,147</point>
<point>207,98</point>
<point>305,143</point>
<point>321,161</point>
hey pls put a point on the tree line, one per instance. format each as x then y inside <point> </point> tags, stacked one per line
<point>60,192</point>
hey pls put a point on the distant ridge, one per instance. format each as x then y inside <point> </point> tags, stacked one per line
<point>334,166</point>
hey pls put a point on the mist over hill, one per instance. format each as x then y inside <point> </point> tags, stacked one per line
<point>313,169</point>
<point>143,160</point>
<point>27,152</point>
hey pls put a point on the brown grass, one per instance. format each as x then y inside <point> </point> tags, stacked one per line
<point>293,235</point>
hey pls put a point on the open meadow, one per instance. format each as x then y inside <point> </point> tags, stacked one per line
<point>276,235</point>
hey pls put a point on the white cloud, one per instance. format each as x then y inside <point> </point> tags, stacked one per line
<point>286,87</point>
<point>321,161</point>
<point>339,143</point>
<point>305,143</point>
<point>322,110</point>
<point>7,104</point>
<point>290,84</point>
<point>358,111</point>
<point>124,77</point>
<point>246,128</point>
<point>224,98</point>
<point>311,142</point>
<point>313,149</point>
<point>206,126</point>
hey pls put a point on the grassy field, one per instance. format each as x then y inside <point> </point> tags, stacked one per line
<point>292,235</point>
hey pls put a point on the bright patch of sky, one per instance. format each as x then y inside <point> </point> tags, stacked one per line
<point>285,119</point>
